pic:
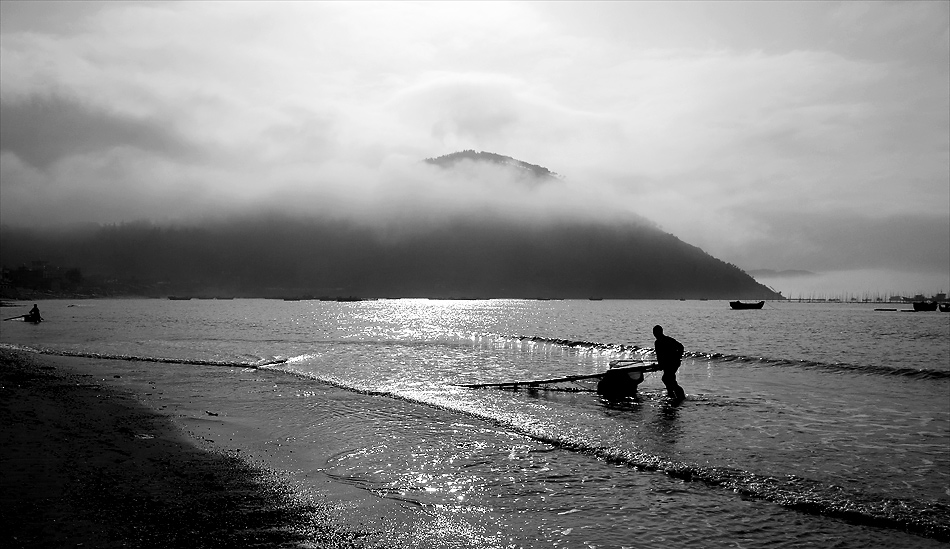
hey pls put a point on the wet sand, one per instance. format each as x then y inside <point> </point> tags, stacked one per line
<point>91,458</point>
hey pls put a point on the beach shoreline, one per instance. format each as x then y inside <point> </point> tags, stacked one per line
<point>94,456</point>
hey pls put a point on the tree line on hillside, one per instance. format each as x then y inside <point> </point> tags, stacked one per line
<point>449,160</point>
<point>456,259</point>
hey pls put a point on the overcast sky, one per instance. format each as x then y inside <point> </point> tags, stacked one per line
<point>802,135</point>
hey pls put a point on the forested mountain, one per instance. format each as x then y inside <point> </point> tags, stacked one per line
<point>449,160</point>
<point>458,257</point>
<point>461,259</point>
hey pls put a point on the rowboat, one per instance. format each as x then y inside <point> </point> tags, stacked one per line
<point>622,382</point>
<point>741,305</point>
<point>29,317</point>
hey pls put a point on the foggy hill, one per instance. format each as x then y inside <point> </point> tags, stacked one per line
<point>462,259</point>
<point>471,255</point>
<point>450,160</point>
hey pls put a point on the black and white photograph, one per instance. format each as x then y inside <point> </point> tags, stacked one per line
<point>475,274</point>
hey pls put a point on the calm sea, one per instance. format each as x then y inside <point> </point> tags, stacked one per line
<point>824,425</point>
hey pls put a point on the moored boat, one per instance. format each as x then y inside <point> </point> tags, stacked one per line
<point>925,305</point>
<point>742,305</point>
<point>945,307</point>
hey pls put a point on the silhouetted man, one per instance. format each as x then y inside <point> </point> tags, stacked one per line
<point>669,353</point>
<point>34,314</point>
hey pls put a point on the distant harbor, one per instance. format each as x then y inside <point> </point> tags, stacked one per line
<point>870,298</point>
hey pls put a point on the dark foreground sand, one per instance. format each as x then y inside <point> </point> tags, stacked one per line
<point>83,464</point>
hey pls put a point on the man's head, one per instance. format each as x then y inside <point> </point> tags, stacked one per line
<point>657,330</point>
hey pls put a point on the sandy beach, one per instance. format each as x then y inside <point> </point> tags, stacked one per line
<point>100,453</point>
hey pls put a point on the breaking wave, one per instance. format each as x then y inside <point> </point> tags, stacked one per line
<point>913,373</point>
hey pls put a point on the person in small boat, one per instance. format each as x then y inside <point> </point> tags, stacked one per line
<point>669,354</point>
<point>34,314</point>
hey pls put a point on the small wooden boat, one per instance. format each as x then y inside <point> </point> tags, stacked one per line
<point>925,305</point>
<point>742,305</point>
<point>944,307</point>
<point>29,317</point>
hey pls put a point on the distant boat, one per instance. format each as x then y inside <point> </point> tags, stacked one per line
<point>925,305</point>
<point>32,318</point>
<point>741,305</point>
<point>178,298</point>
<point>945,307</point>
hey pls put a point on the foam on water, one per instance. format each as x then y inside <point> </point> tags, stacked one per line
<point>571,430</point>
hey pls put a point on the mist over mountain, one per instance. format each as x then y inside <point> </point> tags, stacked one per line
<point>540,173</point>
<point>771,273</point>
<point>485,253</point>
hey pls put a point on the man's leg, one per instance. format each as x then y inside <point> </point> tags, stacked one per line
<point>673,390</point>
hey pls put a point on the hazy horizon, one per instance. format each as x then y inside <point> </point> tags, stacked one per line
<point>857,284</point>
<point>780,135</point>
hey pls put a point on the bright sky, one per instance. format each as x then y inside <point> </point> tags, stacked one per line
<point>801,135</point>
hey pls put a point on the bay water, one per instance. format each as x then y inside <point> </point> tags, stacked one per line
<point>806,424</point>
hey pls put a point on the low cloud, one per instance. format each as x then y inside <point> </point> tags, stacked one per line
<point>848,241</point>
<point>42,130</point>
<point>772,136</point>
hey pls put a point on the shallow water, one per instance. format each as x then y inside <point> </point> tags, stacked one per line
<point>806,424</point>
